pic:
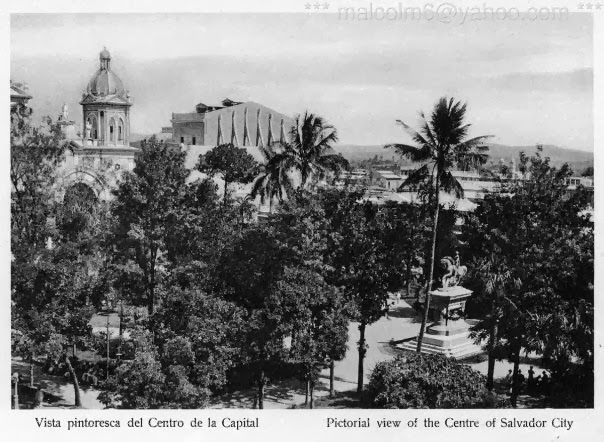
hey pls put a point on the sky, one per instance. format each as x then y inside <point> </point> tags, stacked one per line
<point>525,82</point>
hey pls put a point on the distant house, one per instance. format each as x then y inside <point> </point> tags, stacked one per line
<point>584,181</point>
<point>387,179</point>
<point>18,94</point>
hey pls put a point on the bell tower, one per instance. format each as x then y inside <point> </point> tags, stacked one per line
<point>106,108</point>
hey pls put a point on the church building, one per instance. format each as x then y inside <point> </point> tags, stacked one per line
<point>102,150</point>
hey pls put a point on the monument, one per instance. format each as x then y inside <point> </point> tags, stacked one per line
<point>449,332</point>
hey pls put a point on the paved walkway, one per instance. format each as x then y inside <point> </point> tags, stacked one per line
<point>57,386</point>
<point>402,323</point>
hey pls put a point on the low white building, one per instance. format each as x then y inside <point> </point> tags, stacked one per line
<point>387,179</point>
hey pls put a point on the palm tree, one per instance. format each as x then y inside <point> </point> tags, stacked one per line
<point>496,279</point>
<point>273,179</point>
<point>309,150</point>
<point>441,144</point>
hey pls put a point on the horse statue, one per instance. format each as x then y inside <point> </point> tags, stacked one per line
<point>453,271</point>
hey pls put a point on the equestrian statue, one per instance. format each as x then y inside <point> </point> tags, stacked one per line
<point>454,272</point>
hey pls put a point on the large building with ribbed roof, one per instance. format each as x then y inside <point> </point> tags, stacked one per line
<point>239,123</point>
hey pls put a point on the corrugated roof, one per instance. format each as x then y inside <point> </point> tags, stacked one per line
<point>16,92</point>
<point>389,175</point>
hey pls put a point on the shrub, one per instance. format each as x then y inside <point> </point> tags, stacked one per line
<point>428,381</point>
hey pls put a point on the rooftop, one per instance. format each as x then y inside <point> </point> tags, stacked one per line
<point>17,90</point>
<point>187,117</point>
<point>389,175</point>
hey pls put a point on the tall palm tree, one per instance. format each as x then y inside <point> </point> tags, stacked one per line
<point>496,279</point>
<point>309,150</point>
<point>273,179</point>
<point>441,144</point>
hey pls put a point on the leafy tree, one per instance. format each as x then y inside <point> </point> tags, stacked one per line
<point>493,277</point>
<point>588,171</point>
<point>147,204</point>
<point>248,277</point>
<point>361,266</point>
<point>234,164</point>
<point>536,242</point>
<point>53,302</point>
<point>304,228</point>
<point>441,144</point>
<point>406,233</point>
<point>428,381</point>
<point>343,240</point>
<point>147,381</point>
<point>197,341</point>
<point>78,210</point>
<point>320,331</point>
<point>52,295</point>
<point>202,232</point>
<point>35,156</point>
<point>202,333</point>
<point>309,150</point>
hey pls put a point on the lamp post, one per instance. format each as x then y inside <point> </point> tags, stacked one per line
<point>107,373</point>
<point>16,392</point>
<point>121,333</point>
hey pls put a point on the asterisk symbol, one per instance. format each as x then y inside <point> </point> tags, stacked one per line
<point>307,5</point>
<point>589,6</point>
<point>325,5</point>
<point>580,5</point>
<point>599,6</point>
<point>317,5</point>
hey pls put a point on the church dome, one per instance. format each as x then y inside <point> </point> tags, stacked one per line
<point>105,81</point>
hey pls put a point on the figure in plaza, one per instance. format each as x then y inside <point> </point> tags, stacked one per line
<point>39,397</point>
<point>531,380</point>
<point>454,271</point>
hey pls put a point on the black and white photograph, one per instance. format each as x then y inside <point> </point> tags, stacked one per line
<point>348,206</point>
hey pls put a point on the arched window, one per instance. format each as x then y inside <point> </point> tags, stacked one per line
<point>93,134</point>
<point>120,130</point>
<point>112,130</point>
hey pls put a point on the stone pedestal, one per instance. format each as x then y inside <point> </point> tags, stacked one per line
<point>448,333</point>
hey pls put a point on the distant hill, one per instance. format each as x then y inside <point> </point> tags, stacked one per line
<point>134,137</point>
<point>558,155</point>
<point>578,159</point>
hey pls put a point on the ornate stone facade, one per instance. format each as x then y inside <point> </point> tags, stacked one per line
<point>101,151</point>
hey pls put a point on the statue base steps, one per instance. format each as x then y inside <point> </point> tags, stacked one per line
<point>458,346</point>
<point>449,332</point>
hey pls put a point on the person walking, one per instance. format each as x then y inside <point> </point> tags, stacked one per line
<point>508,381</point>
<point>545,383</point>
<point>531,381</point>
<point>39,398</point>
<point>521,380</point>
